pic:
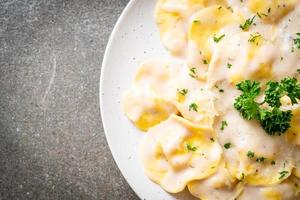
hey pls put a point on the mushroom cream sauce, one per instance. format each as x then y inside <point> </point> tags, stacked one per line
<point>194,137</point>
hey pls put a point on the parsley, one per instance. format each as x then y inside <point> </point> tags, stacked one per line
<point>205,61</point>
<point>227,145</point>
<point>253,38</point>
<point>282,174</point>
<point>250,154</point>
<point>275,90</point>
<point>276,121</point>
<point>223,125</point>
<point>218,39</point>
<point>191,148</point>
<point>297,41</point>
<point>273,162</point>
<point>196,21</point>
<point>183,91</point>
<point>273,120</point>
<point>260,159</point>
<point>245,103</point>
<point>298,70</point>
<point>229,65</point>
<point>212,139</point>
<point>193,107</point>
<point>193,73</point>
<point>247,24</point>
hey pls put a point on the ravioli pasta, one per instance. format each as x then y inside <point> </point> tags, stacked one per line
<point>194,137</point>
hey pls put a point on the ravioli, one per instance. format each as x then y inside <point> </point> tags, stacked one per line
<point>196,136</point>
<point>219,186</point>
<point>177,151</point>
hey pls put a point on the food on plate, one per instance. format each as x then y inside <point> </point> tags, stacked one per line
<point>221,114</point>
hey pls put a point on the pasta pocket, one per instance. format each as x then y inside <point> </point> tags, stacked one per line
<point>177,151</point>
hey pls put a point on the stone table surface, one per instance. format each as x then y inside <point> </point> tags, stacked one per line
<point>52,144</point>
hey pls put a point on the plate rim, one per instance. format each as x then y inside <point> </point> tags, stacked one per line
<point>107,51</point>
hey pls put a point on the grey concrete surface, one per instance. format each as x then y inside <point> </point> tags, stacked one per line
<point>52,144</point>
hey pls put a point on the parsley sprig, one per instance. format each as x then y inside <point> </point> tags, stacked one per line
<point>272,120</point>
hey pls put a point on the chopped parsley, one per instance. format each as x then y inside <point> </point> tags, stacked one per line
<point>229,65</point>
<point>183,91</point>
<point>298,70</point>
<point>272,120</point>
<point>193,73</point>
<point>218,39</point>
<point>227,145</point>
<point>193,107</point>
<point>253,38</point>
<point>250,154</point>
<point>260,159</point>
<point>282,174</point>
<point>205,61</point>
<point>273,162</point>
<point>196,21</point>
<point>191,148</point>
<point>297,41</point>
<point>212,139</point>
<point>247,24</point>
<point>223,125</point>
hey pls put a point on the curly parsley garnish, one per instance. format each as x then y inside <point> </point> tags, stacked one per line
<point>272,120</point>
<point>247,24</point>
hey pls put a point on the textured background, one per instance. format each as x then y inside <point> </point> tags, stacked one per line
<point>52,144</point>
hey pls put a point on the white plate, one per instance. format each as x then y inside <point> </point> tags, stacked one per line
<point>134,39</point>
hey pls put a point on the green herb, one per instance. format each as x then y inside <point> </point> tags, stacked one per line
<point>273,162</point>
<point>193,107</point>
<point>297,41</point>
<point>229,65</point>
<point>183,91</point>
<point>245,103</point>
<point>193,73</point>
<point>223,125</point>
<point>247,23</point>
<point>220,7</point>
<point>227,145</point>
<point>282,174</point>
<point>196,21</point>
<point>205,62</point>
<point>221,90</point>
<point>269,10</point>
<point>273,120</point>
<point>191,148</point>
<point>218,39</point>
<point>260,159</point>
<point>253,37</point>
<point>212,139</point>
<point>298,70</point>
<point>243,176</point>
<point>250,154</point>
<point>275,90</point>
